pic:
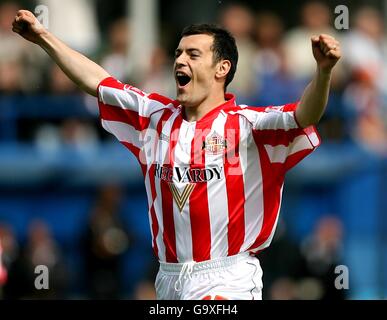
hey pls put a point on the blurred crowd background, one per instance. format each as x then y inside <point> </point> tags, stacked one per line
<point>72,198</point>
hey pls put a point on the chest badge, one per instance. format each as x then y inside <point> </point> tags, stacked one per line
<point>214,144</point>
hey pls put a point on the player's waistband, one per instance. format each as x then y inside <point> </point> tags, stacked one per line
<point>176,268</point>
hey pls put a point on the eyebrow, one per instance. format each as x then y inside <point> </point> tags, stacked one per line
<point>189,50</point>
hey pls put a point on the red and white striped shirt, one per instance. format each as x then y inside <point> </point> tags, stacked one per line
<point>214,186</point>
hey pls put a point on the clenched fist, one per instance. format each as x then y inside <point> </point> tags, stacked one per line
<point>326,51</point>
<point>28,26</point>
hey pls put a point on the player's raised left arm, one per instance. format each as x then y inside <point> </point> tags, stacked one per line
<point>326,51</point>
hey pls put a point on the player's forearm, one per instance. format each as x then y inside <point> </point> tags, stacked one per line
<point>85,73</point>
<point>314,99</point>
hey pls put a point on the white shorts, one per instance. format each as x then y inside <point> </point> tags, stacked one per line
<point>236,277</point>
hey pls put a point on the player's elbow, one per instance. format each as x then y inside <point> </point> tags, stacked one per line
<point>92,91</point>
<point>91,85</point>
<point>305,119</point>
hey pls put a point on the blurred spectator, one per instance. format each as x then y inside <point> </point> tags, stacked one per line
<point>276,84</point>
<point>47,138</point>
<point>365,47</point>
<point>367,108</point>
<point>72,133</point>
<point>80,135</point>
<point>160,78</point>
<point>105,242</point>
<point>113,53</point>
<point>283,261</point>
<point>10,246</point>
<point>240,22</point>
<point>305,272</point>
<point>59,83</point>
<point>366,95</point>
<point>145,290</point>
<point>75,23</point>
<point>21,64</point>
<point>109,11</point>
<point>335,124</point>
<point>315,19</point>
<point>40,249</point>
<point>115,60</point>
<point>10,77</point>
<point>322,253</point>
<point>269,31</point>
<point>284,288</point>
<point>9,251</point>
<point>11,50</point>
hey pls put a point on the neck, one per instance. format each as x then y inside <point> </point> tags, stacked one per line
<point>195,113</point>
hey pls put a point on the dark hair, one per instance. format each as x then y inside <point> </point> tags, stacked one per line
<point>224,46</point>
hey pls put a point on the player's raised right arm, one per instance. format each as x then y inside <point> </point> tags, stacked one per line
<point>85,73</point>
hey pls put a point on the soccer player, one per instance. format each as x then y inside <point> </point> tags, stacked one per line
<point>213,170</point>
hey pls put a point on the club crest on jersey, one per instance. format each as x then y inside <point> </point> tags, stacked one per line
<point>214,144</point>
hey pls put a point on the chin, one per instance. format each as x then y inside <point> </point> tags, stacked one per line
<point>182,98</point>
<point>186,102</point>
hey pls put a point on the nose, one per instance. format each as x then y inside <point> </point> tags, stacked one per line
<point>181,60</point>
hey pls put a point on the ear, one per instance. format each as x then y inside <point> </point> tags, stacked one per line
<point>222,69</point>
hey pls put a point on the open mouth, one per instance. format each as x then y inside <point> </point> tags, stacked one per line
<point>182,78</point>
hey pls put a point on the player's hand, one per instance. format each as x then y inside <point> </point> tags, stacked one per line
<point>28,26</point>
<point>326,51</point>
